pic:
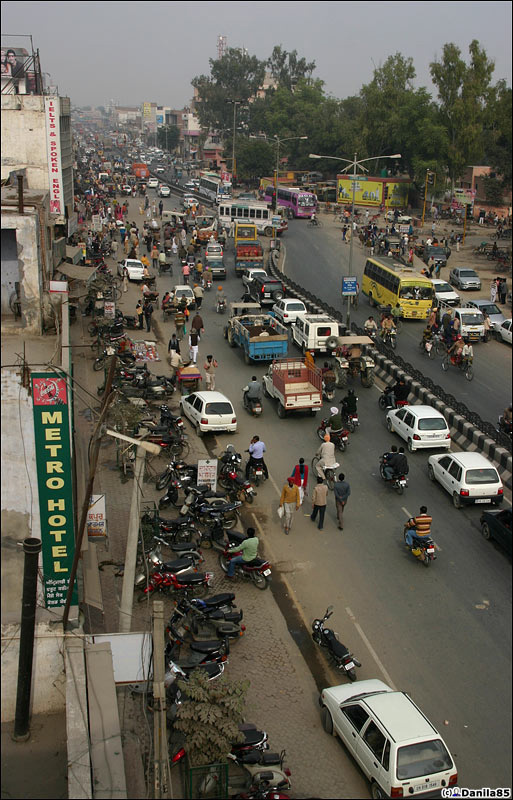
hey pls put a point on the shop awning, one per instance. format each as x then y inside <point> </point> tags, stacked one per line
<point>76,271</point>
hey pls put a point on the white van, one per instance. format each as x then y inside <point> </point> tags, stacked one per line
<point>312,331</point>
<point>471,320</point>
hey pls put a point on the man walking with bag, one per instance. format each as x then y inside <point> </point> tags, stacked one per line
<point>289,502</point>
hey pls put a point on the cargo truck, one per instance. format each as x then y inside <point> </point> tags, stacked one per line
<point>295,384</point>
<point>261,336</point>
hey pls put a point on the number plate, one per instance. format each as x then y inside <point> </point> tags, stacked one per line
<point>425,787</point>
<point>266,294</point>
<point>485,500</point>
<point>431,550</point>
<point>266,572</point>
<point>349,665</point>
<point>402,483</point>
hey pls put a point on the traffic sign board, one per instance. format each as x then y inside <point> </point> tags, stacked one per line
<point>349,286</point>
<point>358,177</point>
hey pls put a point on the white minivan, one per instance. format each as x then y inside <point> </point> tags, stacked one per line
<point>313,332</point>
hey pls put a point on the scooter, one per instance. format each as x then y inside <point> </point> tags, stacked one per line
<point>397,482</point>
<point>253,405</point>
<point>328,391</point>
<point>423,548</point>
<point>338,652</point>
<point>258,570</point>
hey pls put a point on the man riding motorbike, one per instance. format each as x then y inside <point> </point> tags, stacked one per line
<point>252,392</point>
<point>370,326</point>
<point>349,404</point>
<point>395,464</point>
<point>249,548</point>
<point>387,326</point>
<point>256,452</point>
<point>507,419</point>
<point>335,425</point>
<point>328,377</point>
<point>326,453</point>
<point>399,392</point>
<point>418,527</point>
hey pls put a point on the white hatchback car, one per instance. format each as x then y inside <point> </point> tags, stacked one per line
<point>420,426</point>
<point>289,310</point>
<point>185,291</point>
<point>214,250</point>
<point>444,291</point>
<point>152,183</point>
<point>398,749</point>
<point>189,201</point>
<point>209,412</point>
<point>468,477</point>
<point>164,191</point>
<point>503,332</point>
<point>135,269</point>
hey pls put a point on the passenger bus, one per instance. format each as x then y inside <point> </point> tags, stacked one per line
<point>387,282</point>
<point>297,202</point>
<point>213,188</point>
<point>258,213</point>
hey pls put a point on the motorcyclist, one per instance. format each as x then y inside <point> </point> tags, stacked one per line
<point>371,327</point>
<point>220,298</point>
<point>328,377</point>
<point>387,325</point>
<point>326,453</point>
<point>507,415</point>
<point>248,549</point>
<point>335,425</point>
<point>395,463</point>
<point>399,392</point>
<point>253,391</point>
<point>256,452</point>
<point>349,403</point>
<point>418,527</point>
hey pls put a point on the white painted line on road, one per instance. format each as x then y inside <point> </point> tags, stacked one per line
<point>282,247</point>
<point>371,649</point>
<point>278,490</point>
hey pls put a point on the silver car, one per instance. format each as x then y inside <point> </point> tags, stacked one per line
<point>492,309</point>
<point>464,278</point>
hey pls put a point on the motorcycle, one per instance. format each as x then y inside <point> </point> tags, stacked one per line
<point>503,427</point>
<point>339,439</point>
<point>195,582</point>
<point>175,531</point>
<point>200,653</point>
<point>221,305</point>
<point>197,507</point>
<point>390,339</point>
<point>328,391</point>
<point>423,548</point>
<point>184,473</point>
<point>427,347</point>
<point>231,462</point>
<point>385,401</point>
<point>125,357</point>
<point>256,470</point>
<point>258,570</point>
<point>252,404</point>
<point>198,625</point>
<point>464,364</point>
<point>397,482</point>
<point>352,421</point>
<point>207,283</point>
<point>338,652</point>
<point>237,487</point>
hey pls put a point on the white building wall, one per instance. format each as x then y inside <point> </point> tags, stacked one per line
<point>28,236</point>
<point>23,134</point>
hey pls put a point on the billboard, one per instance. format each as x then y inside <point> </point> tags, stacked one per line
<point>53,149</point>
<point>50,398</point>
<point>367,192</point>
<point>18,70</point>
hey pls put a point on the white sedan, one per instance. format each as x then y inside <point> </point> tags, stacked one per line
<point>503,332</point>
<point>164,191</point>
<point>468,477</point>
<point>189,201</point>
<point>420,426</point>
<point>135,269</point>
<point>152,183</point>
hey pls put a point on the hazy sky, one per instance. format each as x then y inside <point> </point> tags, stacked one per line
<point>149,51</point>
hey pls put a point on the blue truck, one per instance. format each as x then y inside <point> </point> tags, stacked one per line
<point>261,336</point>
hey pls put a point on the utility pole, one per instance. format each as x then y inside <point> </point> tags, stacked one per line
<point>162,783</point>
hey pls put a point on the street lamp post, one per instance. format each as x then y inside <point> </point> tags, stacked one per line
<point>278,142</point>
<point>354,176</point>
<point>235,104</point>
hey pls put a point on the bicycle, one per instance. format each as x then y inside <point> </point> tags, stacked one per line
<point>314,223</point>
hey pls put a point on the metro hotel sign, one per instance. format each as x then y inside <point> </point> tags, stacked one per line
<point>54,477</point>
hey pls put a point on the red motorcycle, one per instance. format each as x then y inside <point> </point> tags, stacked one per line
<point>195,583</point>
<point>258,570</point>
<point>339,439</point>
<point>237,487</point>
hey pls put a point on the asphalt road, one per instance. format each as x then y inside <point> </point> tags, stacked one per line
<point>443,634</point>
<point>316,258</point>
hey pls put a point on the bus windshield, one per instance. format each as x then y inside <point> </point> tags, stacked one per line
<point>416,292</point>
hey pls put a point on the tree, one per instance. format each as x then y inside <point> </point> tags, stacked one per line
<point>235,76</point>
<point>209,716</point>
<point>255,158</point>
<point>287,69</point>
<point>497,132</point>
<point>463,91</point>
<point>168,137</point>
<point>494,192</point>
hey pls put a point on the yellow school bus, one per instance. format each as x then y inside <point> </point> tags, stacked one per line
<point>388,282</point>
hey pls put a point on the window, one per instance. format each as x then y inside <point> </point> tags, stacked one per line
<point>198,404</point>
<point>356,716</point>
<point>374,739</point>
<point>433,424</point>
<point>455,471</point>
<point>400,414</point>
<point>425,758</point>
<point>386,756</point>
<point>324,331</point>
<point>475,477</point>
<point>218,408</point>
<point>445,461</point>
<point>409,420</point>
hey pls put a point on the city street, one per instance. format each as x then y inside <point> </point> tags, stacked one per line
<point>444,634</point>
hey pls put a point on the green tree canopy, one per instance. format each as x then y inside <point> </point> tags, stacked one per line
<point>287,69</point>
<point>168,137</point>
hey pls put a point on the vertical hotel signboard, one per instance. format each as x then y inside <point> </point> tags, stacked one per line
<point>53,146</point>
<point>53,462</point>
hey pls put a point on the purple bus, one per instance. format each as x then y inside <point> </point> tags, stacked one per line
<point>297,202</point>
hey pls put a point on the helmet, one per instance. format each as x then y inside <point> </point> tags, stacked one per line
<point>219,288</point>
<point>350,392</point>
<point>334,410</point>
<point>459,337</point>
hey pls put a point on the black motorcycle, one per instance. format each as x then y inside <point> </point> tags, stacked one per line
<point>397,482</point>
<point>339,654</point>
